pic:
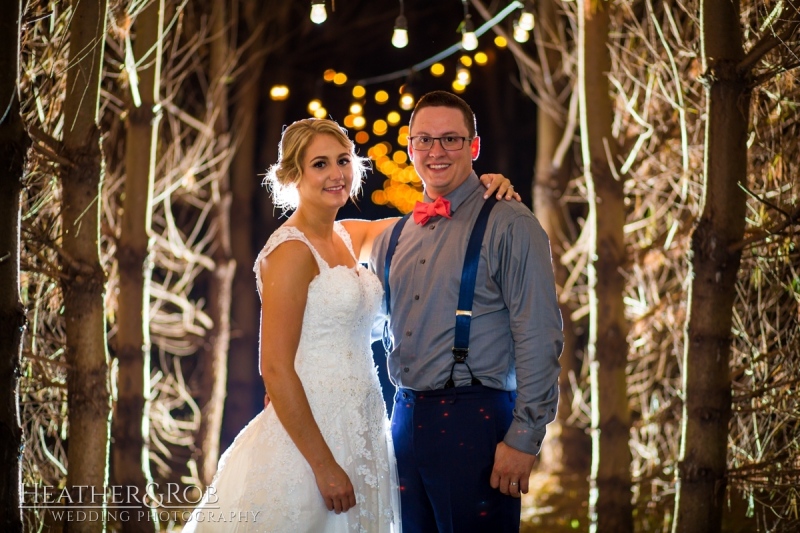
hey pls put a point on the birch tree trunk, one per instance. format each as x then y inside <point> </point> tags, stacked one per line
<point>214,358</point>
<point>131,425</point>
<point>701,483</point>
<point>610,508</point>
<point>13,148</point>
<point>83,277</point>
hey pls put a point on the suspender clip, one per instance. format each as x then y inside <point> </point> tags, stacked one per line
<point>460,354</point>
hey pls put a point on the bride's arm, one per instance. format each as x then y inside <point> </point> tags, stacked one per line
<point>286,274</point>
<point>363,232</point>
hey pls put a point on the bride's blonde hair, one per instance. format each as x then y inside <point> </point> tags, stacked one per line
<point>282,177</point>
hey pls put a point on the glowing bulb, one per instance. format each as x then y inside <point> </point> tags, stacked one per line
<point>469,41</point>
<point>520,35</point>
<point>437,69</point>
<point>356,108</point>
<point>458,87</point>
<point>359,91</point>
<point>393,118</point>
<point>526,20</point>
<point>279,92</point>
<point>320,112</point>
<point>318,12</point>
<point>400,35</point>
<point>481,58</point>
<point>407,101</point>
<point>359,122</point>
<point>340,78</point>
<point>381,96</point>
<point>313,105</point>
<point>463,76</point>
<point>500,41</point>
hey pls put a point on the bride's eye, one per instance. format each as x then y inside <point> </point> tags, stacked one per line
<point>344,161</point>
<point>318,164</point>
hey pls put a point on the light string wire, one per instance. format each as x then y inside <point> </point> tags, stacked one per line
<point>447,52</point>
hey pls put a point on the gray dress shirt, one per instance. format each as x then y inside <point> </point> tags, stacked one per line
<point>515,333</point>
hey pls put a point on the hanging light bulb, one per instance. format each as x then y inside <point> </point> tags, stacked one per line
<point>469,41</point>
<point>463,76</point>
<point>318,12</point>
<point>400,35</point>
<point>520,35</point>
<point>526,20</point>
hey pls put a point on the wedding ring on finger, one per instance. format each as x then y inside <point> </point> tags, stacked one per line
<point>513,483</point>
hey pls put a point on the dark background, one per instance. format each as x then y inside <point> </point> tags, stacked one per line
<point>356,40</point>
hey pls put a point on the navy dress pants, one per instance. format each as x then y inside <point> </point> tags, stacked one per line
<point>445,442</point>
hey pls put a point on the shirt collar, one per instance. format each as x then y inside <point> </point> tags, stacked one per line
<point>461,193</point>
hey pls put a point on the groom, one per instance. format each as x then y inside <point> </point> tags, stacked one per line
<point>473,400</point>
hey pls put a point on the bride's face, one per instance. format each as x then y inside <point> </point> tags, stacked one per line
<point>327,176</point>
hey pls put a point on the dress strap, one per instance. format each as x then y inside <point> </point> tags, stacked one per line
<point>341,231</point>
<point>278,237</point>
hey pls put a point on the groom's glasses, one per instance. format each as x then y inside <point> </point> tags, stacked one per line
<point>424,143</point>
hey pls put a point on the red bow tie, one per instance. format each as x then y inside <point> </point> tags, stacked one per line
<point>423,212</point>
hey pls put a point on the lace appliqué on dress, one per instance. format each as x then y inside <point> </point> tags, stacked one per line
<point>263,473</point>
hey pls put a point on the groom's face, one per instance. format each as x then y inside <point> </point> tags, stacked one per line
<point>442,170</point>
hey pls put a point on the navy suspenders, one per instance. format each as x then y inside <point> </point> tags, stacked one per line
<point>398,228</point>
<point>466,294</point>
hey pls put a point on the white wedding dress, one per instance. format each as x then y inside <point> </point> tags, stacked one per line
<point>263,483</point>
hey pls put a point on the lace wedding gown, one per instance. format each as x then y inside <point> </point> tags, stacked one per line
<point>263,483</point>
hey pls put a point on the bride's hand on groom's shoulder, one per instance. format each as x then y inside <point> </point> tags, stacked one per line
<point>335,487</point>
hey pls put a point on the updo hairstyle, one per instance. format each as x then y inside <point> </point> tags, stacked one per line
<point>282,177</point>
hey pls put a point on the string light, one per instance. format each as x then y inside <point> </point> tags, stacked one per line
<point>279,92</point>
<point>400,35</point>
<point>318,12</point>
<point>520,35</point>
<point>313,105</point>
<point>526,20</point>
<point>463,76</point>
<point>469,41</point>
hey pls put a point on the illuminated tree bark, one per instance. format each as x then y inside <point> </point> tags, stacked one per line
<point>566,446</point>
<point>131,424</point>
<point>610,506</point>
<point>701,484</point>
<point>83,278</point>
<point>13,147</point>
<point>212,367</point>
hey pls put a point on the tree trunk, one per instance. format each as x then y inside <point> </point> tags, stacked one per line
<point>702,467</point>
<point>83,277</point>
<point>131,425</point>
<point>13,148</point>
<point>214,357</point>
<point>245,392</point>
<point>610,506</point>
<point>566,448</point>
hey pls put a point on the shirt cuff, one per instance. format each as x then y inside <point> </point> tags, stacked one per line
<point>525,439</point>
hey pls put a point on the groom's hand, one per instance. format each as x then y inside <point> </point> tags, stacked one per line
<point>511,470</point>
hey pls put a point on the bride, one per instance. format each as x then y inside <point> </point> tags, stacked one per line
<point>319,458</point>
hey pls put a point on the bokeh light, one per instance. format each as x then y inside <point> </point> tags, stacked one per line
<point>279,92</point>
<point>329,74</point>
<point>437,69</point>
<point>359,91</point>
<point>381,97</point>
<point>393,118</point>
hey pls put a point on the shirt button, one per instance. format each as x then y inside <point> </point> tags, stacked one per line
<point>408,333</point>
<point>432,226</point>
<point>422,261</point>
<point>416,296</point>
<point>405,370</point>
